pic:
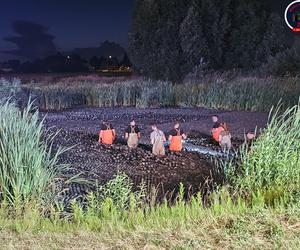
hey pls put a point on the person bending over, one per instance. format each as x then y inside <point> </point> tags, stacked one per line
<point>107,133</point>
<point>132,135</point>
<point>176,136</point>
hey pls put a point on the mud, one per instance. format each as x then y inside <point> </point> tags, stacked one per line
<point>79,130</point>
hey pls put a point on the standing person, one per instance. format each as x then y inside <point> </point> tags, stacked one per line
<point>132,135</point>
<point>225,138</point>
<point>216,129</point>
<point>157,140</point>
<point>176,136</point>
<point>107,133</point>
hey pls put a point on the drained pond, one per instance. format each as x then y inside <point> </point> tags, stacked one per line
<point>195,167</point>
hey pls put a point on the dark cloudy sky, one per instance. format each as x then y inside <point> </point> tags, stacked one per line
<point>74,23</point>
<point>77,23</point>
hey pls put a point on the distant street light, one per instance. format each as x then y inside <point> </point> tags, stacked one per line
<point>110,57</point>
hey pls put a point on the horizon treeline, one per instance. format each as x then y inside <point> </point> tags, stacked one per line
<point>168,39</point>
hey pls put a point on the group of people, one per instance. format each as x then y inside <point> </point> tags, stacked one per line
<point>219,132</point>
<point>107,135</point>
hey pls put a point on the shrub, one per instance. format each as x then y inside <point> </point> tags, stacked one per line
<point>8,88</point>
<point>285,63</point>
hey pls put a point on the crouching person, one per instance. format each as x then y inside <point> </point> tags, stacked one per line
<point>225,138</point>
<point>176,136</point>
<point>132,135</point>
<point>157,140</point>
<point>107,133</point>
<point>250,137</point>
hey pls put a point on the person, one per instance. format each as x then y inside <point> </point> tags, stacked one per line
<point>107,133</point>
<point>250,137</point>
<point>132,135</point>
<point>157,140</point>
<point>175,138</point>
<point>216,129</point>
<point>215,120</point>
<point>225,138</point>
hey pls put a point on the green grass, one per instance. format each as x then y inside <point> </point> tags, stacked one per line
<point>182,226</point>
<point>216,91</point>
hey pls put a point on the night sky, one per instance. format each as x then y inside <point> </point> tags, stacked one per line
<point>74,23</point>
<point>77,23</point>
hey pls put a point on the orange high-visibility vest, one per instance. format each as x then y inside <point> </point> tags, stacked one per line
<point>106,136</point>
<point>176,142</point>
<point>216,133</point>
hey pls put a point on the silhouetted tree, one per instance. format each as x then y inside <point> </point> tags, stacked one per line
<point>125,61</point>
<point>168,38</point>
<point>55,64</point>
<point>154,42</point>
<point>95,62</point>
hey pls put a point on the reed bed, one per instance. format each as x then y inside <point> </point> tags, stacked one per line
<point>238,93</point>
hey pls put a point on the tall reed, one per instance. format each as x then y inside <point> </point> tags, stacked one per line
<point>272,164</point>
<point>27,163</point>
<point>239,93</point>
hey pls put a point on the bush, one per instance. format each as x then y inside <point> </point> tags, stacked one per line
<point>285,63</point>
<point>8,88</point>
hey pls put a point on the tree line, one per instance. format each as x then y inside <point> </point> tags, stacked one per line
<point>60,63</point>
<point>169,38</point>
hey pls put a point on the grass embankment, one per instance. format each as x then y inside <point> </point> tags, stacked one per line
<point>258,208</point>
<point>235,93</point>
<point>170,228</point>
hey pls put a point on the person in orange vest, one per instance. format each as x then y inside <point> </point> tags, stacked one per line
<point>132,135</point>
<point>107,133</point>
<point>175,138</point>
<point>216,129</point>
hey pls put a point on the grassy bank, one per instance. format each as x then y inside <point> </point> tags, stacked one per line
<point>238,93</point>
<point>180,227</point>
<point>257,208</point>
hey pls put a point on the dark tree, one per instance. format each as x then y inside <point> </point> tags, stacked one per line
<point>125,61</point>
<point>169,38</point>
<point>55,64</point>
<point>154,42</point>
<point>94,62</point>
